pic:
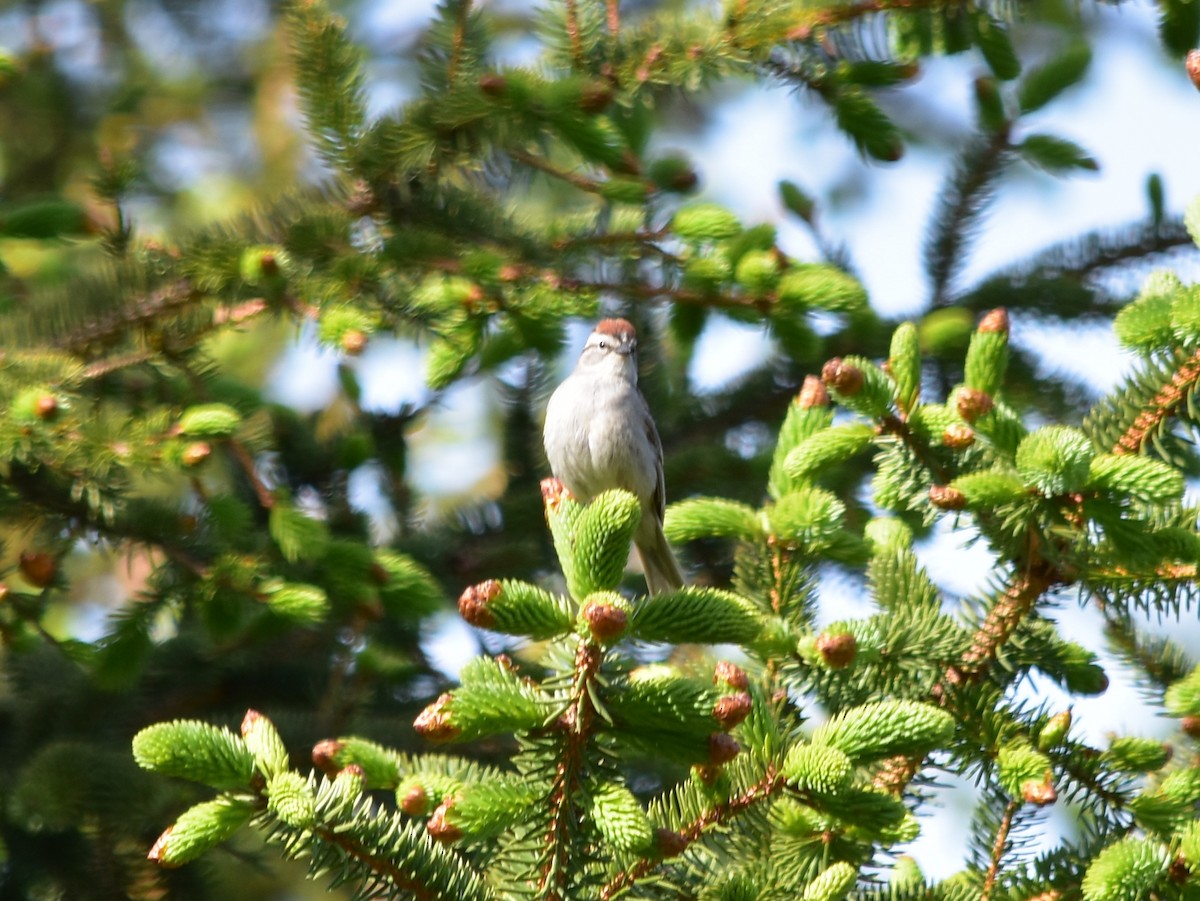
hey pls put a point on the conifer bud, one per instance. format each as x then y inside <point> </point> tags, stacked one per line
<point>946,498</point>
<point>958,436</point>
<point>195,453</point>
<point>325,754</point>
<point>842,378</point>
<point>1039,794</point>
<point>354,342</point>
<point>440,828</point>
<point>1189,724</point>
<point>1193,67</point>
<point>433,723</point>
<point>731,710</point>
<point>493,84</point>
<point>554,492</point>
<point>594,97</point>
<point>722,748</point>
<point>607,622</point>
<point>46,407</point>
<point>838,650</point>
<point>669,843</point>
<point>38,568</point>
<point>472,604</point>
<point>973,404</point>
<point>1055,731</point>
<point>995,321</point>
<point>674,173</point>
<point>730,675</point>
<point>415,802</point>
<point>812,393</point>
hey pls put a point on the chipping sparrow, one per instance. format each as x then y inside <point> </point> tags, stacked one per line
<point>599,435</point>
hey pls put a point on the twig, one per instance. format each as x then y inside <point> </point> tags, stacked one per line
<point>580,181</point>
<point>573,34</point>
<point>458,41</point>
<point>379,865</point>
<point>1164,405</point>
<point>998,848</point>
<point>614,16</point>
<point>577,727</point>
<point>765,788</point>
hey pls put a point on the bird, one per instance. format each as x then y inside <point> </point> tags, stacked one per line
<point>599,435</point>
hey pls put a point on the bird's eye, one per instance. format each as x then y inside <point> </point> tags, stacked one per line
<point>602,344</point>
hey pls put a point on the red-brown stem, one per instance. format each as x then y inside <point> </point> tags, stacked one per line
<point>614,16</point>
<point>1165,403</point>
<point>998,846</point>
<point>568,773</point>
<point>242,455</point>
<point>573,34</point>
<point>580,181</point>
<point>1004,617</point>
<point>458,42</point>
<point>380,865</point>
<point>776,574</point>
<point>766,787</point>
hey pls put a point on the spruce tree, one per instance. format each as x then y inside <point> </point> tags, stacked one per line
<point>266,694</point>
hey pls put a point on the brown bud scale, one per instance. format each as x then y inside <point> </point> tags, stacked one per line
<point>439,828</point>
<point>472,604</point>
<point>354,342</point>
<point>158,850</point>
<point>946,498</point>
<point>722,748</point>
<point>812,393</point>
<point>46,407</point>
<point>196,453</point>
<point>730,674</point>
<point>838,650</point>
<point>841,377</point>
<point>995,321</point>
<point>493,85</point>
<point>433,723</point>
<point>249,721</point>
<point>325,754</point>
<point>554,492</point>
<point>670,843</point>
<point>958,436</point>
<point>38,568</point>
<point>973,403</point>
<point>415,802</point>
<point>1039,794</point>
<point>605,621</point>
<point>731,710</point>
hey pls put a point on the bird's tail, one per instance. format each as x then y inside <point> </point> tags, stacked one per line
<point>658,562</point>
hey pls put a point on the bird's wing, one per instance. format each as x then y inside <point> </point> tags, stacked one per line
<point>660,487</point>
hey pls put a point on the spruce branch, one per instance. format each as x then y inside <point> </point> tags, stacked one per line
<point>960,207</point>
<point>764,789</point>
<point>1015,603</point>
<point>581,182</point>
<point>458,40</point>
<point>564,799</point>
<point>1166,403</point>
<point>999,847</point>
<point>612,10</point>
<point>573,33</point>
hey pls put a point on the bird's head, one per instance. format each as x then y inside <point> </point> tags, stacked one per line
<point>611,348</point>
